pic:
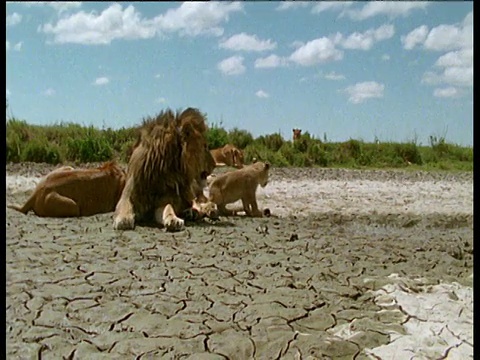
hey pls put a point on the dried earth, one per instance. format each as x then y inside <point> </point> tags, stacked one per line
<point>351,265</point>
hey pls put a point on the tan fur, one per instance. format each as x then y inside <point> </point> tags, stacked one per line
<point>239,185</point>
<point>296,134</point>
<point>165,170</point>
<point>228,155</point>
<point>69,192</point>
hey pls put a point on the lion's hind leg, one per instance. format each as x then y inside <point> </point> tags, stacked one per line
<point>166,216</point>
<point>56,205</point>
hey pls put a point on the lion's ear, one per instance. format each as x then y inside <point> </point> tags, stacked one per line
<point>267,166</point>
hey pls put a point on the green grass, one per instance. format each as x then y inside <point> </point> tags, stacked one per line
<point>62,142</point>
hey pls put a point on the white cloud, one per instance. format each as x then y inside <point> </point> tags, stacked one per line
<point>59,6</point>
<point>445,92</point>
<point>415,37</point>
<point>360,92</point>
<point>49,92</point>
<point>455,67</point>
<point>262,94</point>
<point>456,58</point>
<point>271,61</point>
<point>63,6</point>
<point>8,93</point>
<point>101,81</point>
<point>161,100</point>
<point>232,65</point>
<point>18,46</point>
<point>385,57</point>
<point>365,40</point>
<point>115,22</point>
<point>321,50</point>
<point>390,9</point>
<point>158,76</point>
<point>247,42</point>
<point>89,28</point>
<point>197,18</point>
<point>14,19</point>
<point>334,76</point>
<point>322,6</point>
<point>286,5</point>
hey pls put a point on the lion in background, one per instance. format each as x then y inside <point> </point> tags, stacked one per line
<point>169,164</point>
<point>69,192</point>
<point>239,185</point>
<point>228,155</point>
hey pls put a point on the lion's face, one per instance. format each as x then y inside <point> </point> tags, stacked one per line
<point>263,172</point>
<point>198,160</point>
<point>238,158</point>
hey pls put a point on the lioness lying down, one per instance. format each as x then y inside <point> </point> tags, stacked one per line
<point>69,192</point>
<point>239,185</point>
<point>228,155</point>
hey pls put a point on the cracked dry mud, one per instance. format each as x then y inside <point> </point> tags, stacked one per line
<point>327,278</point>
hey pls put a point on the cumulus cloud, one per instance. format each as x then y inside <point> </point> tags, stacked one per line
<point>415,37</point>
<point>365,40</point>
<point>101,81</point>
<point>92,29</point>
<point>232,65</point>
<point>391,9</point>
<point>247,42</point>
<point>262,94</point>
<point>115,22</point>
<point>455,66</point>
<point>271,61</point>
<point>197,18</point>
<point>14,19</point>
<point>318,51</point>
<point>360,92</point>
<point>445,92</point>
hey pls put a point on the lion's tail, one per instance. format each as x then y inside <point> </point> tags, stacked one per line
<point>25,208</point>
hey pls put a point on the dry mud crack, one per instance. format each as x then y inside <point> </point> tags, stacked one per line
<point>353,265</point>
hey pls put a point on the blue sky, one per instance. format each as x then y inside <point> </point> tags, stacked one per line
<point>391,70</point>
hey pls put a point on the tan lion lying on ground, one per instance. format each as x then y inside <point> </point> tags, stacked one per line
<point>69,192</point>
<point>239,185</point>
<point>169,164</point>
<point>228,155</point>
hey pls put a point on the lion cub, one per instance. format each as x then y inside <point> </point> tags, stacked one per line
<point>239,185</point>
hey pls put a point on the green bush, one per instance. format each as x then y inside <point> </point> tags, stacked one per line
<point>216,137</point>
<point>272,142</point>
<point>240,138</point>
<point>41,151</point>
<point>89,149</point>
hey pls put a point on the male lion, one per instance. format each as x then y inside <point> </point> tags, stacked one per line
<point>239,185</point>
<point>69,192</point>
<point>169,164</point>
<point>228,155</point>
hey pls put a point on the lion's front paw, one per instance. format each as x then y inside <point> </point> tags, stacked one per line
<point>124,223</point>
<point>174,224</point>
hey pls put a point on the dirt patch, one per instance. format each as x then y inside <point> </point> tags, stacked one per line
<point>343,269</point>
